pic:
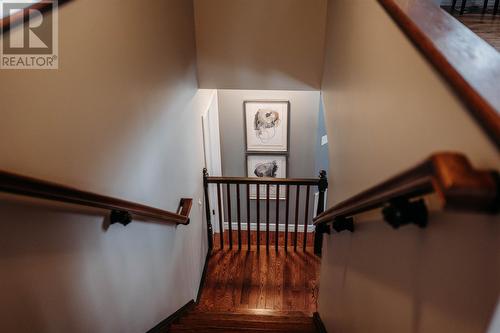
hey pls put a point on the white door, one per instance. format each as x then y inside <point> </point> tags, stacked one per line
<point>213,163</point>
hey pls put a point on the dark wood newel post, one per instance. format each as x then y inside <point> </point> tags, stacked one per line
<point>320,228</point>
<point>207,212</point>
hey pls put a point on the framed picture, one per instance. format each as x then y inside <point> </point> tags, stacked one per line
<point>266,125</point>
<point>267,165</point>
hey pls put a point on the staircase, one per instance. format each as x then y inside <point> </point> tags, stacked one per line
<point>244,321</point>
<point>263,280</point>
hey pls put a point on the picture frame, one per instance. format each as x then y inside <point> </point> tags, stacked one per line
<point>266,124</point>
<point>266,165</point>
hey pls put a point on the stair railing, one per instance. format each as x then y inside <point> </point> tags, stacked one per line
<point>121,210</point>
<point>484,7</point>
<point>267,190</point>
<point>449,175</point>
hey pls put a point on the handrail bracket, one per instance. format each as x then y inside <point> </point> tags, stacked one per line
<point>120,216</point>
<point>343,223</point>
<point>402,211</point>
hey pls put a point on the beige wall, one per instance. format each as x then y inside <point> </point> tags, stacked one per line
<point>260,44</point>
<point>386,109</point>
<point>120,117</point>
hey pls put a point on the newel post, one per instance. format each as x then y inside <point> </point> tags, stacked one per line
<point>321,228</point>
<point>207,211</point>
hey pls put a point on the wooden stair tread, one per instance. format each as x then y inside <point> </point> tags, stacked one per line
<point>244,321</point>
<point>267,312</point>
<point>253,315</point>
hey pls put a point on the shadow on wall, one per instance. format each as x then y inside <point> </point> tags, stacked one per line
<point>441,279</point>
<point>61,272</point>
<point>125,122</point>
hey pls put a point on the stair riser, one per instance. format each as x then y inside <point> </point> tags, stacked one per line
<point>182,328</point>
<point>244,324</point>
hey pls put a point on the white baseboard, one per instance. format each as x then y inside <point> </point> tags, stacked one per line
<point>272,227</point>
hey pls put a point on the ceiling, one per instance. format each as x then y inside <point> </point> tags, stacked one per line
<point>260,44</point>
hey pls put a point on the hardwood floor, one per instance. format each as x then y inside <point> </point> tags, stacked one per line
<point>256,280</point>
<point>486,27</point>
<point>272,240</point>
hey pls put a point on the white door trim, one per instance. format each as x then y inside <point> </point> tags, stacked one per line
<point>212,152</point>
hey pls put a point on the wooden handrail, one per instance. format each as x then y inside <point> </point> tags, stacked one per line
<point>263,180</point>
<point>469,64</point>
<point>22,185</point>
<point>450,175</point>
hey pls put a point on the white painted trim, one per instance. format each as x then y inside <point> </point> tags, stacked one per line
<point>212,151</point>
<point>272,227</point>
<point>316,198</point>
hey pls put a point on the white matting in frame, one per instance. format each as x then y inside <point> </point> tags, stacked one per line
<point>266,125</point>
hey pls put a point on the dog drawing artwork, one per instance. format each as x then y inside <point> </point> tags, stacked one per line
<point>268,169</point>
